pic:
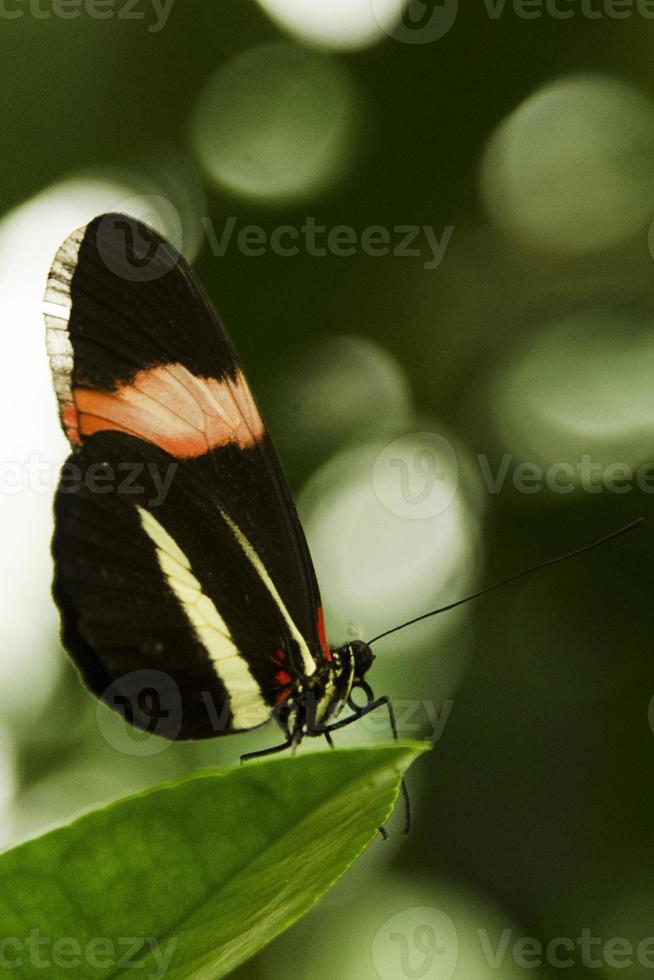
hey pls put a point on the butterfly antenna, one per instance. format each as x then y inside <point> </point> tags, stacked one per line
<point>512,578</point>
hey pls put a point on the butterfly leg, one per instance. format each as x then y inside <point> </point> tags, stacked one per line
<point>271,751</point>
<point>293,739</point>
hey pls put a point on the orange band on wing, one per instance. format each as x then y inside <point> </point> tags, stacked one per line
<point>172,408</point>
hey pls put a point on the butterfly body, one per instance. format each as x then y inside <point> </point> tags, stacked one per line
<point>320,699</point>
<point>187,595</point>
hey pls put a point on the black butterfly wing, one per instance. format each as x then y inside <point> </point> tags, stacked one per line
<point>146,376</point>
<point>160,593</point>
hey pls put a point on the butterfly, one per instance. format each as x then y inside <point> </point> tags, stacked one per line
<point>187,595</point>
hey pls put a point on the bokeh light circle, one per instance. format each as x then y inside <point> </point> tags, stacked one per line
<point>425,929</point>
<point>157,212</point>
<point>572,168</point>
<point>628,915</point>
<point>344,25</point>
<point>375,566</point>
<point>580,392</point>
<point>417,475</point>
<point>404,927</point>
<point>337,391</point>
<point>276,123</point>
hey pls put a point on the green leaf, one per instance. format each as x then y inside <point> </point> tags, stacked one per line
<point>194,877</point>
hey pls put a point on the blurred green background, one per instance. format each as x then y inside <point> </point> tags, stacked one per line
<point>445,418</point>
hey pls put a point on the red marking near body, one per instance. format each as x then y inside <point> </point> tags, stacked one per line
<point>282,677</point>
<point>172,408</point>
<point>321,634</point>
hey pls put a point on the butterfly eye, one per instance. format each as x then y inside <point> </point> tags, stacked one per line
<point>363,658</point>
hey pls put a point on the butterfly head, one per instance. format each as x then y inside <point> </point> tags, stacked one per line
<point>361,658</point>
